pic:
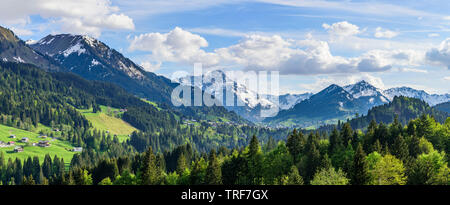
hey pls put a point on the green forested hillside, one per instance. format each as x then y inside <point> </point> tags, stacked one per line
<point>403,107</point>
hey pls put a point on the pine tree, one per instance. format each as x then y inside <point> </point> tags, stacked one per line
<point>294,177</point>
<point>270,145</point>
<point>377,147</point>
<point>213,171</point>
<point>414,146</point>
<point>325,162</point>
<point>47,166</point>
<point>400,149</point>
<point>295,144</point>
<point>346,133</point>
<point>359,172</point>
<point>181,164</point>
<point>255,162</point>
<point>312,162</point>
<point>148,169</point>
<point>336,142</point>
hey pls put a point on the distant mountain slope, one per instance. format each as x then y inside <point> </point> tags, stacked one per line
<point>288,101</point>
<point>327,106</point>
<point>445,107</point>
<point>12,49</point>
<point>431,99</point>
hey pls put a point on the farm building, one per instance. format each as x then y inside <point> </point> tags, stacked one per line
<point>18,149</point>
<point>25,140</point>
<point>12,136</point>
<point>11,143</point>
<point>77,149</point>
<point>44,144</point>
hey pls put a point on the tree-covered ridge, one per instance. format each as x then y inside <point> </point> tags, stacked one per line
<point>444,107</point>
<point>404,108</point>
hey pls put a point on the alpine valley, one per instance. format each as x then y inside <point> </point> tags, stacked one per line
<point>75,111</point>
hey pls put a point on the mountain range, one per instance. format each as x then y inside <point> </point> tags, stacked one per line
<point>94,60</point>
<point>307,110</point>
<point>336,103</point>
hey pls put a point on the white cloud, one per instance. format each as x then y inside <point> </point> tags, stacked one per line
<point>150,67</point>
<point>384,33</point>
<point>447,78</point>
<point>176,46</point>
<point>398,57</point>
<point>82,16</point>
<point>440,56</point>
<point>342,28</point>
<point>257,52</point>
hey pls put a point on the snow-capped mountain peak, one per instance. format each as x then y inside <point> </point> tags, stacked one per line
<point>85,56</point>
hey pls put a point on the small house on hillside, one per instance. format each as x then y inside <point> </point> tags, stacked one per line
<point>11,143</point>
<point>25,139</point>
<point>77,149</point>
<point>18,149</point>
<point>12,136</point>
<point>44,144</point>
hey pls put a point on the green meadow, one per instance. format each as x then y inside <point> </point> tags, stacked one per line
<point>109,120</point>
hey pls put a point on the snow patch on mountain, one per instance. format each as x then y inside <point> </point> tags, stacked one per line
<point>78,48</point>
<point>18,59</point>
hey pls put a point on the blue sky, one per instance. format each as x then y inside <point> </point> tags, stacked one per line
<point>311,43</point>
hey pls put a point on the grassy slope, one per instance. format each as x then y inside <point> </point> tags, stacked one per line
<point>151,103</point>
<point>60,148</point>
<point>106,121</point>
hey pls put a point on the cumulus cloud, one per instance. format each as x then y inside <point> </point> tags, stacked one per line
<point>257,52</point>
<point>177,45</point>
<point>342,28</point>
<point>399,57</point>
<point>82,16</point>
<point>440,56</point>
<point>384,33</point>
<point>150,67</point>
